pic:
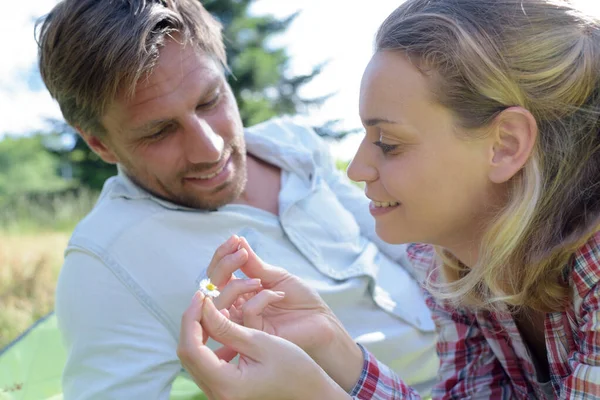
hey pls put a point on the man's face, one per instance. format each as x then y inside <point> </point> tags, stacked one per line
<point>180,136</point>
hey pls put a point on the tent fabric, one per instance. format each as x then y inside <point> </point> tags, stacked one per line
<point>31,367</point>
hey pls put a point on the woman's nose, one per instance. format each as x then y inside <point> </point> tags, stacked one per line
<point>362,168</point>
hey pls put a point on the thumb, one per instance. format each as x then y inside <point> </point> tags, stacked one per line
<point>257,268</point>
<point>238,338</point>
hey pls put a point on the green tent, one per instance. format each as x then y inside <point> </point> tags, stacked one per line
<point>31,367</point>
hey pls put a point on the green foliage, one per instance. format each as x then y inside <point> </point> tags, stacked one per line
<point>89,169</point>
<point>259,72</point>
<point>27,167</point>
<point>46,212</point>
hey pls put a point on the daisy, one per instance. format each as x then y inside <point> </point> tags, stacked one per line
<point>208,288</point>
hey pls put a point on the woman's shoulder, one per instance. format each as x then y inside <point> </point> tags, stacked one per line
<point>585,271</point>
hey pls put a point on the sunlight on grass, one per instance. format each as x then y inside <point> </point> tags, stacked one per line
<point>29,266</point>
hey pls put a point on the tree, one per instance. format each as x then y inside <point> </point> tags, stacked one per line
<point>27,168</point>
<point>259,77</point>
<point>259,73</point>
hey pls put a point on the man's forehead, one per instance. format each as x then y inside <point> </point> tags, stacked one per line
<point>174,65</point>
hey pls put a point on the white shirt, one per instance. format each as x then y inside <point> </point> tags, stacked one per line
<point>133,264</point>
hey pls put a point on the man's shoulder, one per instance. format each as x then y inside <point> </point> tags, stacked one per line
<point>115,211</point>
<point>287,130</point>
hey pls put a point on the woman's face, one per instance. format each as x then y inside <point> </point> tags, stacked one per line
<point>427,181</point>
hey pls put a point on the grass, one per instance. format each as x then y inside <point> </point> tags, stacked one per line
<point>35,212</point>
<point>35,231</point>
<point>29,266</point>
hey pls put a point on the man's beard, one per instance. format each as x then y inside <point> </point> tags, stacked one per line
<point>220,196</point>
<point>223,194</point>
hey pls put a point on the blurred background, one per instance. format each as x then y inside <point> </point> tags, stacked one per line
<point>298,58</point>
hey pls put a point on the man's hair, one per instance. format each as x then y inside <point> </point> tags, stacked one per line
<point>93,51</point>
<point>483,56</point>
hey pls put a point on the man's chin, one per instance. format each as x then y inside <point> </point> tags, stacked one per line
<point>219,198</point>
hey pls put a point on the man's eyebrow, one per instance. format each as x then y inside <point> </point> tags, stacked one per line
<point>377,121</point>
<point>152,125</point>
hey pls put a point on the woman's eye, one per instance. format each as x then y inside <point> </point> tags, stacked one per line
<point>385,148</point>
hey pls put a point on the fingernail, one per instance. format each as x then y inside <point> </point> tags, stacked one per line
<point>280,294</point>
<point>198,297</point>
<point>252,282</point>
<point>239,253</point>
<point>231,241</point>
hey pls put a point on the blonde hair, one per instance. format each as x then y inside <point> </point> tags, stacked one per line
<point>91,51</point>
<point>484,56</point>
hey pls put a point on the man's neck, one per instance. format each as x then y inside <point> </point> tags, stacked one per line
<point>263,185</point>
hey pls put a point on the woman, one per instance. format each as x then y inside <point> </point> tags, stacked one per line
<point>482,140</point>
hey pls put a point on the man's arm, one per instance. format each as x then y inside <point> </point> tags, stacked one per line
<point>115,348</point>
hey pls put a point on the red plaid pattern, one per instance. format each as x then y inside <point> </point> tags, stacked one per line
<point>482,354</point>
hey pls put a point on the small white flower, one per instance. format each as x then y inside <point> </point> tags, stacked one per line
<point>208,288</point>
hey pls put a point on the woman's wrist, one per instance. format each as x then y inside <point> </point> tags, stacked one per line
<point>340,357</point>
<point>329,389</point>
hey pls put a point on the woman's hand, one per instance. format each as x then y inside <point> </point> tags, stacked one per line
<point>301,316</point>
<point>269,367</point>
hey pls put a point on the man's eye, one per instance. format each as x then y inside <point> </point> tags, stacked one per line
<point>385,148</point>
<point>210,103</point>
<point>160,134</point>
<point>156,135</point>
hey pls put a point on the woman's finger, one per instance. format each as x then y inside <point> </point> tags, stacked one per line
<point>191,330</point>
<point>254,267</point>
<point>227,247</point>
<point>237,337</point>
<point>200,361</point>
<point>252,310</point>
<point>225,312</point>
<point>225,353</point>
<point>192,336</point>
<point>233,290</point>
<point>223,270</point>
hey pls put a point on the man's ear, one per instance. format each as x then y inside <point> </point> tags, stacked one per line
<point>98,146</point>
<point>515,134</point>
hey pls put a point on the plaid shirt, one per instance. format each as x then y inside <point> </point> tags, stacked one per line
<point>482,354</point>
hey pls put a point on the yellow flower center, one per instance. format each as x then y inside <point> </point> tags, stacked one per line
<point>211,287</point>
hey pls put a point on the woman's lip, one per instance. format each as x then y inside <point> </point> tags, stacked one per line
<point>376,211</point>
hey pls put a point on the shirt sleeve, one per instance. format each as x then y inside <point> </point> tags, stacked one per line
<point>115,348</point>
<point>378,382</point>
<point>468,366</point>
<point>584,379</point>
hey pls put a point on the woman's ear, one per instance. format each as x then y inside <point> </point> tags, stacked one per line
<point>514,140</point>
<point>98,146</point>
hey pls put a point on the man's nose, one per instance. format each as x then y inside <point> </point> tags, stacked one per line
<point>201,143</point>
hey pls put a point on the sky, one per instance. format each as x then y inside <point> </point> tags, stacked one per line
<point>338,31</point>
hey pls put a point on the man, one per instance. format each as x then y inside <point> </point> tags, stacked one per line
<point>143,83</point>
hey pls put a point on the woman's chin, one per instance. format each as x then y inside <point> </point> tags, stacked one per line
<point>392,236</point>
